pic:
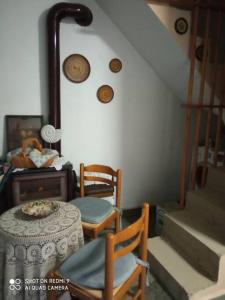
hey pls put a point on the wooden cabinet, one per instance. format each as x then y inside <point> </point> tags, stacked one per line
<point>37,184</point>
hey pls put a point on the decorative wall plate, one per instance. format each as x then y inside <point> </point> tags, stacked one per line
<point>105,93</point>
<point>199,52</point>
<point>181,26</point>
<point>115,65</point>
<point>76,68</point>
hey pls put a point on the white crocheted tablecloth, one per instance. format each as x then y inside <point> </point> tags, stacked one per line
<point>29,248</point>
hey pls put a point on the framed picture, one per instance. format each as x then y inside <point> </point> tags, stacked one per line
<point>19,128</point>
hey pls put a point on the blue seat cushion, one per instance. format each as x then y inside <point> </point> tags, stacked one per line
<point>86,267</point>
<point>93,210</point>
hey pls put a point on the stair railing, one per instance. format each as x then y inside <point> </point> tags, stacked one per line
<point>194,109</point>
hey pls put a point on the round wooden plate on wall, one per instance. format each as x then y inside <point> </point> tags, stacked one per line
<point>115,65</point>
<point>76,68</point>
<point>105,93</point>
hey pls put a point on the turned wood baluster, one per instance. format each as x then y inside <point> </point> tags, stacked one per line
<point>200,99</point>
<point>212,98</point>
<point>219,124</point>
<point>188,111</point>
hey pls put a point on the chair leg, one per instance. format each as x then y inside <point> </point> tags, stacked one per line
<point>52,295</point>
<point>95,234</point>
<point>74,297</point>
<point>141,284</point>
<point>117,222</point>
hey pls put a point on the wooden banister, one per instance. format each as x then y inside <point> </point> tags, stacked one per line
<point>212,98</point>
<point>200,99</point>
<point>213,64</point>
<point>187,125</point>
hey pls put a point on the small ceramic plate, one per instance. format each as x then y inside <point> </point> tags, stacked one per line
<point>40,208</point>
<point>199,52</point>
<point>181,26</point>
<point>76,68</point>
<point>105,93</point>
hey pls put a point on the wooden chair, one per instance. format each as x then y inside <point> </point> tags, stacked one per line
<point>134,236</point>
<point>110,214</point>
<point>100,189</point>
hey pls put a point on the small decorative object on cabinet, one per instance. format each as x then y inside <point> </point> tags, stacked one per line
<point>76,68</point>
<point>50,134</point>
<point>41,184</point>
<point>181,26</point>
<point>115,65</point>
<point>105,94</point>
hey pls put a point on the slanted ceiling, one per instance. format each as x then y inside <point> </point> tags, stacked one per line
<point>190,4</point>
<point>152,40</point>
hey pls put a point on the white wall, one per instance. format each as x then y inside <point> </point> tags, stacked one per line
<point>151,38</point>
<point>139,131</point>
<point>168,16</point>
<point>23,64</point>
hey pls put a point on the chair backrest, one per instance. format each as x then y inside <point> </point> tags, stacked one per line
<point>96,174</point>
<point>135,235</point>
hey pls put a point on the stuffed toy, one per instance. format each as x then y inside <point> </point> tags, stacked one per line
<point>33,155</point>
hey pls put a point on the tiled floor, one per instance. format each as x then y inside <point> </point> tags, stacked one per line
<point>152,292</point>
<point>155,292</point>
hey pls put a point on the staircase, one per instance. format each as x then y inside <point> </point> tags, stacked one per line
<point>189,257</point>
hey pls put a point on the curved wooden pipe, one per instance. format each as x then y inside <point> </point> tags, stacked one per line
<point>83,17</point>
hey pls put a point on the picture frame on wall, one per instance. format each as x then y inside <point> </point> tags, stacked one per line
<point>20,127</point>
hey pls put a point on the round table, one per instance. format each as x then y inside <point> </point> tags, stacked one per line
<point>30,247</point>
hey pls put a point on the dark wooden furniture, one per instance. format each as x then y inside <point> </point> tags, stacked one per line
<point>35,184</point>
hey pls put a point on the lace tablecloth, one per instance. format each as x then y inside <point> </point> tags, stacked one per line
<point>29,248</point>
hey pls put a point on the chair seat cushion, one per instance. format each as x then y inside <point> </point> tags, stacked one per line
<point>93,210</point>
<point>86,267</point>
<point>98,189</point>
